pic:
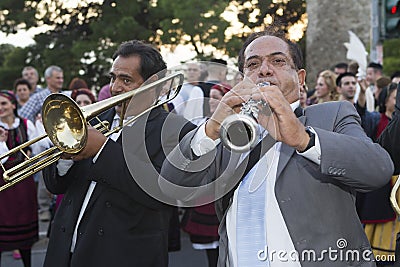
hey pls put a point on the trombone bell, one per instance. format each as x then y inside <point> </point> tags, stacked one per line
<point>64,123</point>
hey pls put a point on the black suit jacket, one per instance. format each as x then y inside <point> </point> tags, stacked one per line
<point>390,138</point>
<point>122,225</point>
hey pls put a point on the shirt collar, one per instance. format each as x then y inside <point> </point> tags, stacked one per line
<point>14,125</point>
<point>295,105</point>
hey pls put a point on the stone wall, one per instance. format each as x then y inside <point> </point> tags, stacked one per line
<point>328,25</point>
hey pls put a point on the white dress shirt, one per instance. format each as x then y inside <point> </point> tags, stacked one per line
<point>64,165</point>
<point>31,134</point>
<point>369,99</point>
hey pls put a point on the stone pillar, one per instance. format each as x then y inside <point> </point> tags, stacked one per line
<point>328,25</point>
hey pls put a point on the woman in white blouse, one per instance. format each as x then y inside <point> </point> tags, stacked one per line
<point>18,208</point>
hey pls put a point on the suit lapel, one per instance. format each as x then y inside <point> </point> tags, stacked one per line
<point>96,193</point>
<point>105,116</point>
<point>146,122</point>
<point>151,122</point>
<point>287,152</point>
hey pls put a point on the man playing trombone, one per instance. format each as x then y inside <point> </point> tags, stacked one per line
<point>106,218</point>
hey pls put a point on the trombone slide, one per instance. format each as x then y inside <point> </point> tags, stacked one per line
<point>65,124</point>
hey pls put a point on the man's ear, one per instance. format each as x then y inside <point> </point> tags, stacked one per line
<point>301,73</point>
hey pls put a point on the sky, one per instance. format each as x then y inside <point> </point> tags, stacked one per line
<point>22,38</point>
<point>182,53</point>
<point>25,38</point>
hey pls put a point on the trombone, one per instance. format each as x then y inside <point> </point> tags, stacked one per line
<point>66,126</point>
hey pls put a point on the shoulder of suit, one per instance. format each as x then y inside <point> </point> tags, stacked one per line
<point>327,106</point>
<point>170,116</point>
<point>173,122</point>
<point>106,115</point>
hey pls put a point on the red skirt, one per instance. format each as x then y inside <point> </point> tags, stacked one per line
<point>18,215</point>
<point>201,223</point>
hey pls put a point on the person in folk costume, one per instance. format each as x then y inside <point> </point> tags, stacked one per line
<point>18,212</point>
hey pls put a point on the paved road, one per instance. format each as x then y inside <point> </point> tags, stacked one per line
<point>187,256</point>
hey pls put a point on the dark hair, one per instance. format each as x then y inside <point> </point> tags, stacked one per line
<point>272,30</point>
<point>151,61</point>
<point>22,81</point>
<point>77,83</point>
<point>383,81</point>
<point>13,99</point>
<point>83,91</point>
<point>353,67</point>
<point>384,95</point>
<point>395,74</point>
<point>375,66</point>
<point>219,61</point>
<point>345,74</point>
<point>341,65</point>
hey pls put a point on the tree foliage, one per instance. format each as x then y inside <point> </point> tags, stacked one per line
<point>197,23</point>
<point>286,12</point>
<point>82,39</point>
<point>391,53</point>
<point>11,60</point>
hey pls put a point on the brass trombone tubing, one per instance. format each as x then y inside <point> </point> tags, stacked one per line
<point>31,169</point>
<point>157,104</point>
<point>28,170</point>
<point>95,109</point>
<point>86,113</point>
<point>34,164</point>
<point>20,147</point>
